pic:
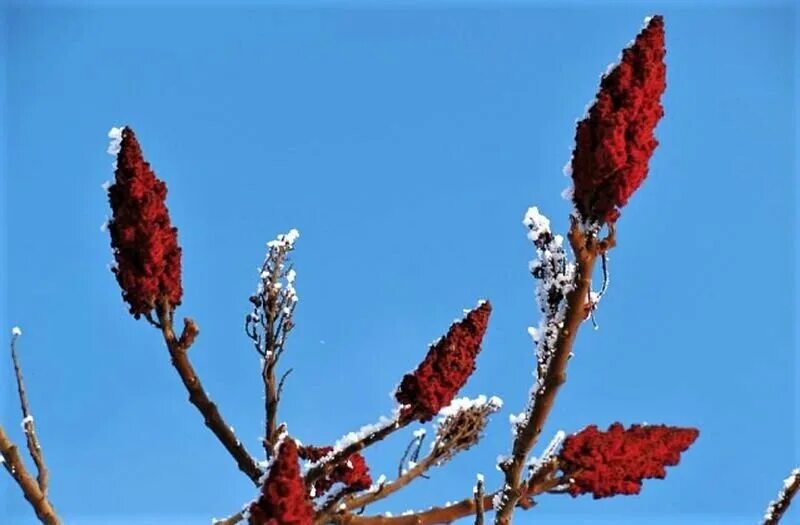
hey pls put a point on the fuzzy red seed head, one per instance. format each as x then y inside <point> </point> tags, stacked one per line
<point>148,258</point>
<point>283,499</point>
<point>447,366</point>
<point>615,141</point>
<point>615,462</point>
<point>353,473</point>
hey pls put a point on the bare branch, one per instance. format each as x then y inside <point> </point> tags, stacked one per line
<point>28,426</point>
<point>178,350</point>
<point>415,445</point>
<point>282,380</point>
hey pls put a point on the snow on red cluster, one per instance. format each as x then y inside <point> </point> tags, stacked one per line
<point>283,499</point>
<point>447,366</point>
<point>353,473</point>
<point>148,258</point>
<point>614,142</point>
<point>615,462</point>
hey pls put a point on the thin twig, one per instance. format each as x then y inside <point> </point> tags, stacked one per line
<point>31,438</point>
<point>478,496</point>
<point>282,380</point>
<point>416,442</point>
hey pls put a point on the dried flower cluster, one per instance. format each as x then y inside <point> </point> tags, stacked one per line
<point>460,425</point>
<point>148,258</point>
<point>616,461</point>
<point>447,366</point>
<point>283,499</point>
<point>353,473</point>
<point>615,141</point>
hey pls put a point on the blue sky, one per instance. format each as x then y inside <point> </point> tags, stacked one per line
<point>405,142</point>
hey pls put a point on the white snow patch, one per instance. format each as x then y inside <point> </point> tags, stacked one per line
<point>115,142</point>
<point>794,477</point>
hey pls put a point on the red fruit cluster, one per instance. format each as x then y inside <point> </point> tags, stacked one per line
<point>615,462</point>
<point>614,143</point>
<point>447,366</point>
<point>145,243</point>
<point>353,473</point>
<point>283,499</point>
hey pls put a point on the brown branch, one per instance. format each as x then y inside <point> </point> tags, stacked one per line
<point>776,509</point>
<point>448,513</point>
<point>32,440</point>
<point>12,462</point>
<point>327,465</point>
<point>586,250</point>
<point>270,403</point>
<point>478,497</point>
<point>391,487</point>
<point>178,348</point>
<point>268,326</point>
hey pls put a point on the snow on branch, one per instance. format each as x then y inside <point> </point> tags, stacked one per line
<point>271,320</point>
<point>777,507</point>
<point>275,299</point>
<point>359,439</point>
<point>548,454</point>
<point>555,275</point>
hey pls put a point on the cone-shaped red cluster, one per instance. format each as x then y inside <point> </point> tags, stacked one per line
<point>614,143</point>
<point>615,462</point>
<point>283,499</point>
<point>353,473</point>
<point>145,243</point>
<point>447,366</point>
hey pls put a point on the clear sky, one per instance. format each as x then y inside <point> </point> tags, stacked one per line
<point>405,141</point>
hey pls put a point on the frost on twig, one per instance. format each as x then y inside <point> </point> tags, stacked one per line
<point>555,276</point>
<point>275,299</point>
<point>777,507</point>
<point>355,441</point>
<point>269,323</point>
<point>34,490</point>
<point>28,427</point>
<point>549,453</point>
